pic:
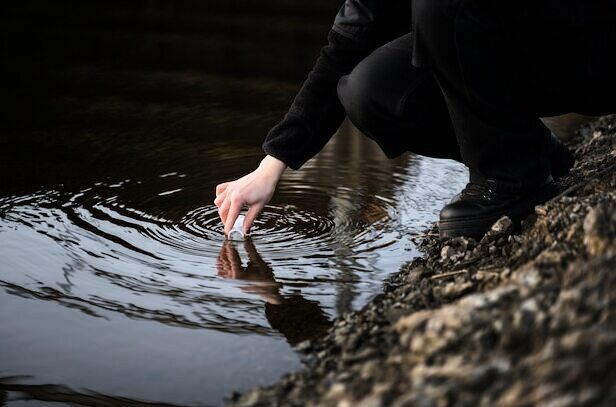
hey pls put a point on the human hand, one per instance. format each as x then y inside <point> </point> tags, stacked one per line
<point>253,190</point>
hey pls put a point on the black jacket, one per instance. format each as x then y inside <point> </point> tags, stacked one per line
<point>316,113</point>
<point>363,25</point>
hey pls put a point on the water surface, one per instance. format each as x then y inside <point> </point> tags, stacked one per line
<point>116,285</point>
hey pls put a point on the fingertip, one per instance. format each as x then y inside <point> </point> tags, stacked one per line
<point>251,215</point>
<point>247,226</point>
<point>221,187</point>
<point>228,227</point>
<point>232,214</point>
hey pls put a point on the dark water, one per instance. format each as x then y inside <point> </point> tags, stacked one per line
<point>116,284</point>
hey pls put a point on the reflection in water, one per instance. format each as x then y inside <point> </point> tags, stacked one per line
<point>297,318</point>
<point>63,394</point>
<point>114,260</point>
<point>375,181</point>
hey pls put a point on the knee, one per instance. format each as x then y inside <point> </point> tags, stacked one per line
<point>356,92</point>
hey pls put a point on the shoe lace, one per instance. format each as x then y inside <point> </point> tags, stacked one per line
<point>482,191</point>
<point>473,189</point>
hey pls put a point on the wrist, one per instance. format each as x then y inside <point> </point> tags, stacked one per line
<point>273,165</point>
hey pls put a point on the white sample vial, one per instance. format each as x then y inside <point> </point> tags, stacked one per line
<point>237,233</point>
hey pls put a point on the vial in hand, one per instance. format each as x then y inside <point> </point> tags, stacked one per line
<point>237,232</point>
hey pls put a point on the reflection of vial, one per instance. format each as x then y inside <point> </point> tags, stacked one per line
<point>236,232</point>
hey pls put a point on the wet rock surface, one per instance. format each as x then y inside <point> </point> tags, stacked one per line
<point>512,319</point>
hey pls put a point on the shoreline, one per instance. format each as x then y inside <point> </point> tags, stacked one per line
<point>521,319</point>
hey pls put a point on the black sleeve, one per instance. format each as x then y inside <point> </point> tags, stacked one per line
<point>316,113</point>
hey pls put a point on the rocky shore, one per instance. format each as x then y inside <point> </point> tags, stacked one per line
<point>512,320</point>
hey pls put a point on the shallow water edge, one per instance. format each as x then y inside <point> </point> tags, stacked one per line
<point>114,262</point>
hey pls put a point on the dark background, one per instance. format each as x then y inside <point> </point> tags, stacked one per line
<point>88,86</point>
<point>270,38</point>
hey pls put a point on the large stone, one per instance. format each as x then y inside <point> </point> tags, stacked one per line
<point>600,229</point>
<point>502,227</point>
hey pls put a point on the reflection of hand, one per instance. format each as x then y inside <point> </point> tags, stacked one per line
<point>269,292</point>
<point>295,317</point>
<point>229,264</point>
<point>254,190</point>
<point>257,273</point>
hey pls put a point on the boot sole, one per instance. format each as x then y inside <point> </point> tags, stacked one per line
<point>476,227</point>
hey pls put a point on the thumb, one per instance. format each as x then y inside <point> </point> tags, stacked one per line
<point>251,215</point>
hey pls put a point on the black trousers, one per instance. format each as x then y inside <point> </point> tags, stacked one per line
<point>472,80</point>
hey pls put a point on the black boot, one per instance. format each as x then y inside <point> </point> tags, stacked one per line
<point>478,206</point>
<point>561,162</point>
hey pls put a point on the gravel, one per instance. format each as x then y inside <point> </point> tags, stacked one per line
<point>512,319</point>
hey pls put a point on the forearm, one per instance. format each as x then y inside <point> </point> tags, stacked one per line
<point>316,112</point>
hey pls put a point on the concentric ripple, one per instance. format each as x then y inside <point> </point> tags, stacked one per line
<point>178,271</point>
<point>115,276</point>
<point>319,249</point>
<point>279,231</point>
